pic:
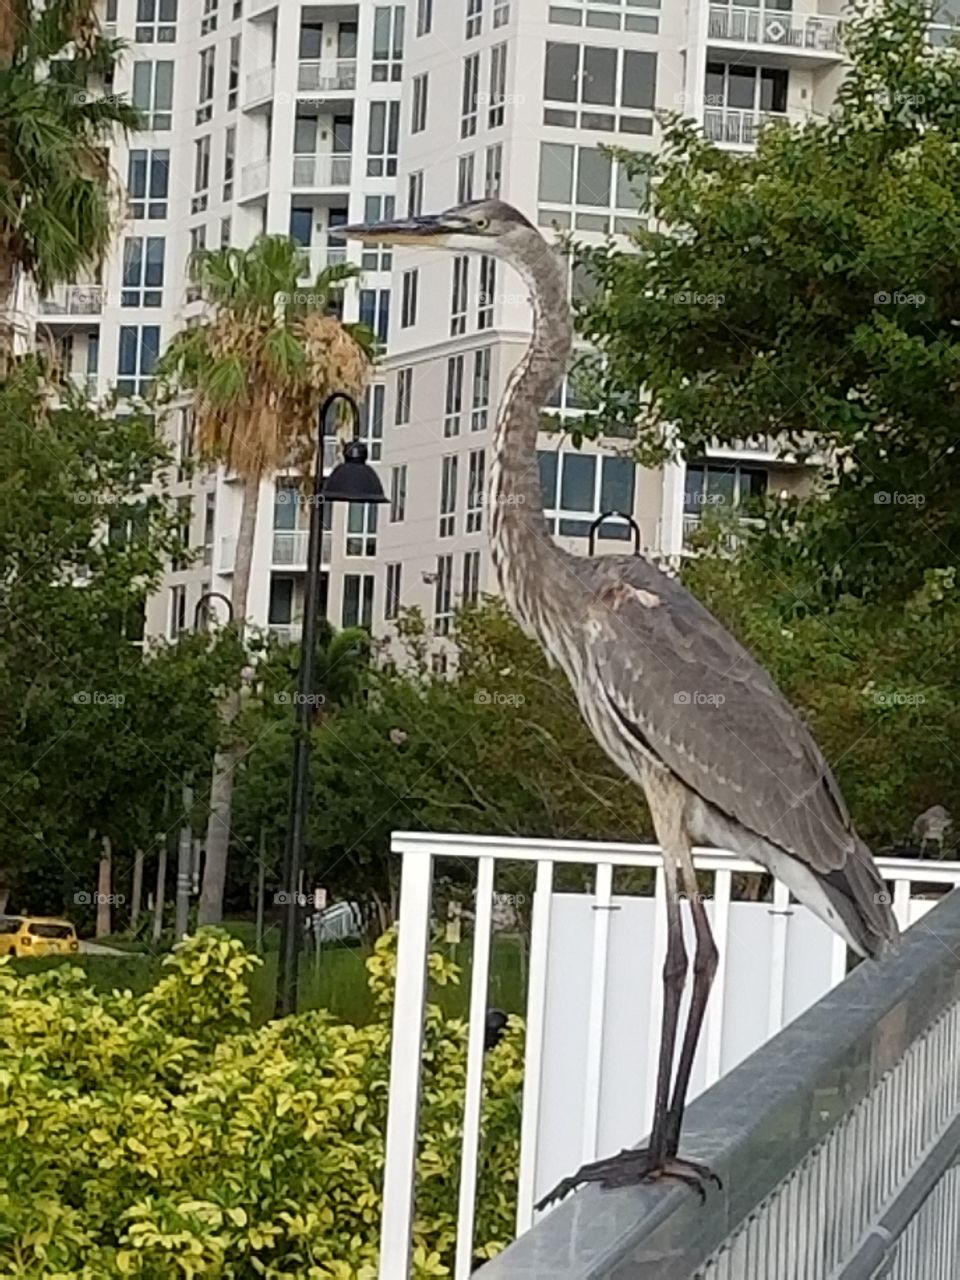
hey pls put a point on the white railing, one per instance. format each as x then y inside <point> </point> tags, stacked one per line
<point>261,84</point>
<point>594,1001</point>
<point>290,547</point>
<point>73,300</point>
<point>228,555</point>
<point>779,28</point>
<point>330,75</point>
<point>325,170</point>
<point>85,382</point>
<point>286,632</point>
<point>322,256</point>
<point>738,127</point>
<point>255,177</point>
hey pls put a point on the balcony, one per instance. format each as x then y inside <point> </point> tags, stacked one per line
<point>285,632</point>
<point>228,555</point>
<point>322,256</point>
<point>290,548</point>
<point>739,128</point>
<point>73,300</point>
<point>322,171</point>
<point>260,85</point>
<point>330,75</point>
<point>730,540</point>
<point>255,178</point>
<point>813,36</point>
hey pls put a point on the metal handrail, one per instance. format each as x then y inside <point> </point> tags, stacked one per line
<point>830,1140</point>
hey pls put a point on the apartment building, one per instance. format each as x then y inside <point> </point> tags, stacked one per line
<point>281,116</point>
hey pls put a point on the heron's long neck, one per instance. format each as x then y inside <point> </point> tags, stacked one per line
<point>519,539</point>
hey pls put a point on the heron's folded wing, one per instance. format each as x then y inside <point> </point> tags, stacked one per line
<point>679,683</point>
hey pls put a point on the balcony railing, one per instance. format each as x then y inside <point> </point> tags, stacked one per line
<point>730,539</point>
<point>775,28</point>
<point>73,300</point>
<point>326,170</point>
<point>336,75</point>
<point>260,84</point>
<point>84,382</point>
<point>738,127</point>
<point>255,177</point>
<point>290,548</point>
<point>286,632</point>
<point>322,256</point>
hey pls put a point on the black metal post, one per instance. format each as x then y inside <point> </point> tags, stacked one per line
<point>367,490</point>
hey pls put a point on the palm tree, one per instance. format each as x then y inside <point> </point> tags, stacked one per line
<point>58,205</point>
<point>268,354</point>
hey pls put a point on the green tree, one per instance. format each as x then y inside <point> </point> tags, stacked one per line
<point>807,291</point>
<point>57,200</point>
<point>270,352</point>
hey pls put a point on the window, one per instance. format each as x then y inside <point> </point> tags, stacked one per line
<point>178,611</point>
<point>453,404</point>
<point>488,290</point>
<point>424,17</point>
<point>470,95</point>
<point>443,596</point>
<point>388,43</point>
<point>229,161</point>
<point>577,13</point>
<point>493,173</point>
<point>233,73</point>
<point>383,139</point>
<point>481,389</point>
<point>153,93</point>
<point>347,41</point>
<point>311,41</point>
<point>185,443</point>
<point>611,85</point>
<point>579,487</point>
<point>357,600</point>
<point>415,194</point>
<point>398,494</point>
<point>143,263</point>
<point>184,509</point>
<point>148,183</point>
<point>226,228</point>
<point>498,86</point>
<point>361,529</point>
<point>474,18</point>
<point>449,467</point>
<point>201,174</point>
<point>207,77</point>
<point>471,577</point>
<point>375,311</point>
<point>501,13</point>
<point>420,90</point>
<point>137,358</point>
<point>476,478</point>
<point>599,186</point>
<point>404,396</point>
<point>209,523</point>
<point>391,606</point>
<point>459,299</point>
<point>735,95</point>
<point>408,301</point>
<point>156,22</point>
<point>465,167</point>
<point>377,257</point>
<point>371,420</point>
<point>208,22</point>
<point>721,487</point>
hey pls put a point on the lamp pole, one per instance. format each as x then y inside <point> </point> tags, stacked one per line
<point>351,481</point>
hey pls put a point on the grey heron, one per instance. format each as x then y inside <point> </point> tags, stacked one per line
<point>677,703</point>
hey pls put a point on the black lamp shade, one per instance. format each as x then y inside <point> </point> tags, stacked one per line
<point>353,479</point>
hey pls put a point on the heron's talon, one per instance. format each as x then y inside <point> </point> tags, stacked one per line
<point>635,1165</point>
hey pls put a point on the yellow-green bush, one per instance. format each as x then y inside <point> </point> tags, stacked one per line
<point>160,1136</point>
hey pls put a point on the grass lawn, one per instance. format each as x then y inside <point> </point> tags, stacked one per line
<point>337,982</point>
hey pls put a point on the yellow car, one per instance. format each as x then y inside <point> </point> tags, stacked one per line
<point>37,936</point>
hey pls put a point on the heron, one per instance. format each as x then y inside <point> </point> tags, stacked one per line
<point>674,700</point>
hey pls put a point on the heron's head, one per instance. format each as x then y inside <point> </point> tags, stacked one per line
<point>486,226</point>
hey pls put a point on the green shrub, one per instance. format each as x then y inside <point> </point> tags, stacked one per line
<point>160,1135</point>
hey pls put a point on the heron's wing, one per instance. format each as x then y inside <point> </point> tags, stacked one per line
<point>680,685</point>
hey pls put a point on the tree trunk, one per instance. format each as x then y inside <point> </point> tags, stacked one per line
<point>210,907</point>
<point>104,890</point>
<point>136,892</point>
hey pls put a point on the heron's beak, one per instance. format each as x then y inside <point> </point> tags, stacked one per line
<point>423,231</point>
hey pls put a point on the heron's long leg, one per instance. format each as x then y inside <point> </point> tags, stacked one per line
<point>674,977</point>
<point>704,969</point>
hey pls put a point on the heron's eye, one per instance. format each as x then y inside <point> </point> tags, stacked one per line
<point>481,223</point>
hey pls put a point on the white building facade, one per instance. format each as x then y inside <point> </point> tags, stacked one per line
<point>284,117</point>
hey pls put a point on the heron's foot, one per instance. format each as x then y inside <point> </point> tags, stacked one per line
<point>632,1166</point>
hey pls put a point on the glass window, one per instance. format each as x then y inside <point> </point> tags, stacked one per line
<point>562,72</point>
<point>593,177</point>
<point>639,79</point>
<point>577,482</point>
<point>311,41</point>
<point>617,478</point>
<point>599,79</point>
<point>556,172</point>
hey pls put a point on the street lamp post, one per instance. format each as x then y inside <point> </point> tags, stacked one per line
<point>352,480</point>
